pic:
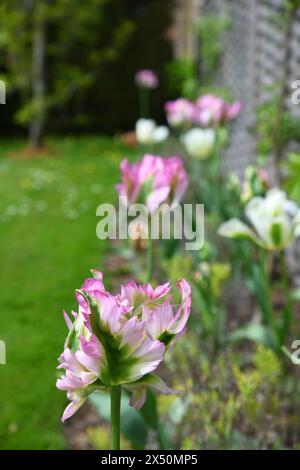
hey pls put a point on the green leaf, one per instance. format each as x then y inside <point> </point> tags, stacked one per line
<point>235,228</point>
<point>257,285</point>
<point>295,295</point>
<point>255,332</point>
<point>133,425</point>
<point>150,414</point>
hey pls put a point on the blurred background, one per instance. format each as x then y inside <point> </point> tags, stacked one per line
<point>71,106</point>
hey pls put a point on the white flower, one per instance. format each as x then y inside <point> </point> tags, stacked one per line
<point>147,132</point>
<point>199,143</point>
<point>274,219</point>
<point>161,133</point>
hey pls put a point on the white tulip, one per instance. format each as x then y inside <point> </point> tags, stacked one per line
<point>161,133</point>
<point>275,221</point>
<point>144,130</point>
<point>147,132</point>
<point>199,143</point>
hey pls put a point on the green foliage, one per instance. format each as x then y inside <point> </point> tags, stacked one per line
<point>275,126</point>
<point>262,379</point>
<point>292,167</point>
<point>72,52</point>
<point>182,74</point>
<point>134,428</point>
<point>178,267</point>
<point>81,35</point>
<point>230,403</point>
<point>99,438</point>
<point>138,427</point>
<point>211,29</point>
<point>92,50</point>
<point>182,78</point>
<point>254,332</point>
<point>207,280</point>
<point>208,284</point>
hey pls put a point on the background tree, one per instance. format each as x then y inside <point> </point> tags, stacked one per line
<point>50,54</point>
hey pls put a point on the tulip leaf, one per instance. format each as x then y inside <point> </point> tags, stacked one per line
<point>150,415</point>
<point>254,332</point>
<point>133,426</point>
<point>237,229</point>
<point>295,295</point>
<point>257,285</point>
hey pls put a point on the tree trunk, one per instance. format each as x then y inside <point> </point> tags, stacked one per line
<point>37,125</point>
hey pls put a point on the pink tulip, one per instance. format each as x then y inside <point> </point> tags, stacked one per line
<point>209,110</point>
<point>180,113</point>
<point>146,78</point>
<point>153,181</point>
<point>120,340</point>
<point>212,110</point>
<point>233,110</point>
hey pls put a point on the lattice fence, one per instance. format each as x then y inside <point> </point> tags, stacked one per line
<point>258,51</point>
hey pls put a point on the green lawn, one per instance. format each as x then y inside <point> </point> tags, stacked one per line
<point>47,246</point>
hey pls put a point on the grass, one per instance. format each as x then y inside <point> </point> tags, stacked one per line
<point>48,244</point>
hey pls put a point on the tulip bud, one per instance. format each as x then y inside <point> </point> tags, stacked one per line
<point>275,221</point>
<point>199,143</point>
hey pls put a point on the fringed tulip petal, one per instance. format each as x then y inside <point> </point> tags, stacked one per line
<point>120,340</point>
<point>154,180</point>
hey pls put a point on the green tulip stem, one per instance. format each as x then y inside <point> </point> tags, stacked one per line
<point>115,410</point>
<point>287,314</point>
<point>149,259</point>
<point>144,102</point>
<point>267,305</point>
